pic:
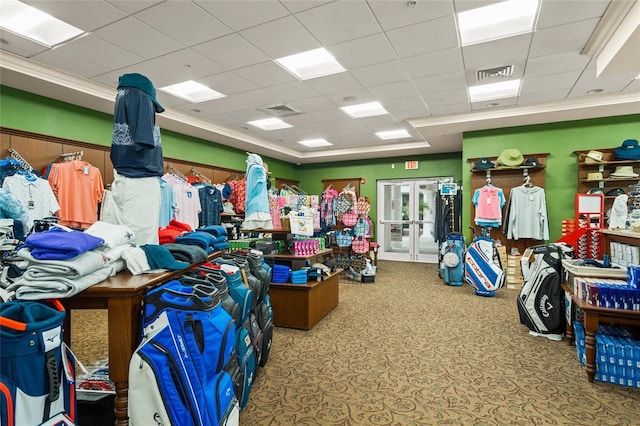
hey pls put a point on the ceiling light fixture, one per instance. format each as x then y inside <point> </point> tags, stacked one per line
<point>487,92</point>
<point>368,109</point>
<point>311,64</point>
<point>36,25</point>
<point>192,91</point>
<point>594,91</point>
<point>315,143</point>
<point>498,20</point>
<point>393,134</point>
<point>270,124</point>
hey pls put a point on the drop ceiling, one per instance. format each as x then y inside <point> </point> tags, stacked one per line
<point>574,65</point>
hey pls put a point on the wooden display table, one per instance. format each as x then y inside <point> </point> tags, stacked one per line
<point>593,316</point>
<point>122,296</point>
<point>304,305</point>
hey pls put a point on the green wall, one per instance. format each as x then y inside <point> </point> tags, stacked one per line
<point>33,113</point>
<point>560,140</point>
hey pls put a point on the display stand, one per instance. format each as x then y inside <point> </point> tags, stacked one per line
<point>508,178</point>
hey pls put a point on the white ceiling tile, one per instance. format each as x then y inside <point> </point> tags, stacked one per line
<point>339,21</point>
<point>556,63</point>
<point>100,52</point>
<point>228,83</point>
<point>433,63</point>
<point>189,64</point>
<point>169,18</point>
<point>404,104</point>
<point>300,120</point>
<point>157,74</point>
<point>329,115</point>
<point>239,15</point>
<point>147,42</point>
<point>295,6</point>
<point>334,83</point>
<point>59,59</point>
<point>588,81</point>
<point>241,116</point>
<point>440,83</point>
<point>411,114</point>
<point>215,106</point>
<point>258,98</point>
<point>87,15</point>
<point>20,45</point>
<point>397,90</point>
<point>564,80</point>
<point>424,37</point>
<point>282,37</point>
<point>315,104</point>
<point>487,105</point>
<point>351,97</point>
<point>634,86</point>
<point>449,97</point>
<point>385,73</point>
<point>562,38</point>
<point>542,96</point>
<point>395,14</point>
<point>364,51</point>
<point>449,109</point>
<point>265,74</point>
<point>133,6</point>
<point>292,91</point>
<point>496,53</point>
<point>231,52</point>
<point>558,12</point>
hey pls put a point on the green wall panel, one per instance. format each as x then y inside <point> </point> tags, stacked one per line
<point>560,140</point>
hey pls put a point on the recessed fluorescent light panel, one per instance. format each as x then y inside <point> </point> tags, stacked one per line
<point>311,64</point>
<point>365,110</point>
<point>192,91</point>
<point>315,143</point>
<point>486,92</point>
<point>31,23</point>
<point>270,124</point>
<point>498,20</point>
<point>393,134</point>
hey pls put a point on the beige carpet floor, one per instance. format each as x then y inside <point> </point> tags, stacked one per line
<point>410,350</point>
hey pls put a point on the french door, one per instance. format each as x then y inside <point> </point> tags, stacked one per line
<point>406,215</point>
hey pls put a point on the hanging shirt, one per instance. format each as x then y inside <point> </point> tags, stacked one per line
<point>210,204</point>
<point>527,214</point>
<point>35,196</point>
<point>79,188</point>
<point>136,146</point>
<point>489,201</point>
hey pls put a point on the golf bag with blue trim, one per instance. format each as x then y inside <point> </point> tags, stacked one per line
<point>483,267</point>
<point>176,375</point>
<point>37,370</point>
<point>452,255</point>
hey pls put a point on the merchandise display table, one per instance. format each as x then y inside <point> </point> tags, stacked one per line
<point>304,305</point>
<point>122,296</point>
<point>593,316</point>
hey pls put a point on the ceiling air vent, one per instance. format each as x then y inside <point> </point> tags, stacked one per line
<point>506,71</point>
<point>280,110</point>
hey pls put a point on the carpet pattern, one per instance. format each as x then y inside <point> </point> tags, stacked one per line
<point>410,350</point>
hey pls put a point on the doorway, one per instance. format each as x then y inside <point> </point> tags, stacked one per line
<point>406,214</point>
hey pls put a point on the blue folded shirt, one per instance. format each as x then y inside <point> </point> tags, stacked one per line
<point>58,244</point>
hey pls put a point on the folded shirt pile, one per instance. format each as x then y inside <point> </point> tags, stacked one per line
<point>299,276</point>
<point>281,274</point>
<point>174,229</point>
<point>186,253</point>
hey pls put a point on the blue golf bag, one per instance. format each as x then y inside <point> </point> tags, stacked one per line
<point>483,266</point>
<point>452,253</point>
<point>177,374</point>
<point>37,370</point>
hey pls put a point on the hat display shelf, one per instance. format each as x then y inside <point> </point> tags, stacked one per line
<point>600,171</point>
<point>531,171</point>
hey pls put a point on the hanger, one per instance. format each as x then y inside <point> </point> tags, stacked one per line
<point>24,165</point>
<point>527,179</point>
<point>489,178</point>
<point>199,175</point>
<point>72,156</point>
<point>176,172</point>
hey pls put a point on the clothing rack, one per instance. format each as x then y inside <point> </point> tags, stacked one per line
<point>23,163</point>
<point>72,156</point>
<point>176,172</point>
<point>196,173</point>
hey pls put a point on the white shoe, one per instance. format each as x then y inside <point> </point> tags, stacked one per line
<point>550,336</point>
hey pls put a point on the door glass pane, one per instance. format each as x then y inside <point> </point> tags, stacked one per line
<point>396,209</point>
<point>426,205</point>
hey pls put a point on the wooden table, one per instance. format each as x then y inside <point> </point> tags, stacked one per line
<point>593,316</point>
<point>304,305</point>
<point>122,296</point>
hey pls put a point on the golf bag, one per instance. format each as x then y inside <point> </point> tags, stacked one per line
<point>176,375</point>
<point>483,266</point>
<point>37,370</point>
<point>541,299</point>
<point>452,253</point>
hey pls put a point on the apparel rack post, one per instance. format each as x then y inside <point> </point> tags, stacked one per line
<point>23,163</point>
